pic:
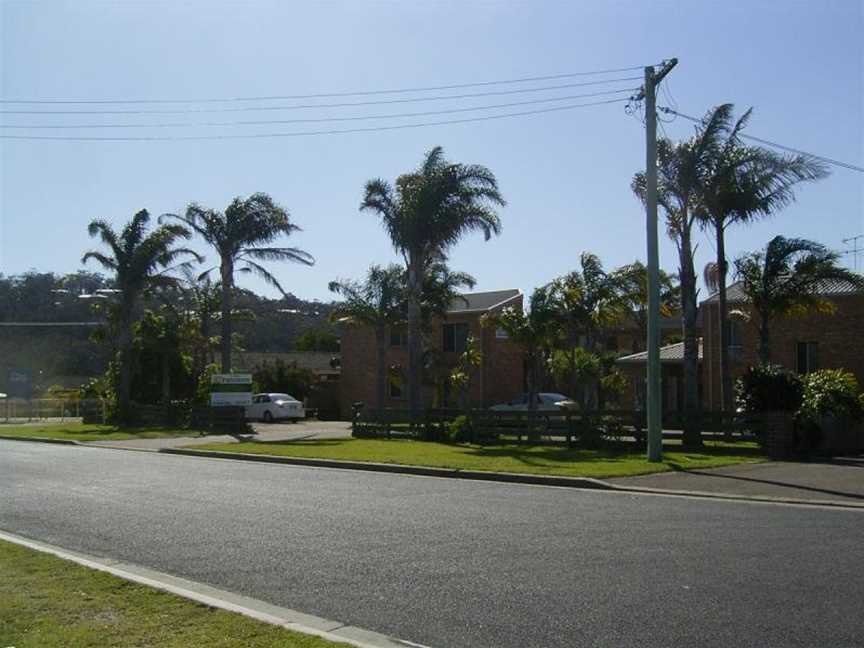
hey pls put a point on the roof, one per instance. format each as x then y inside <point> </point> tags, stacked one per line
<point>828,287</point>
<point>669,354</point>
<point>482,302</point>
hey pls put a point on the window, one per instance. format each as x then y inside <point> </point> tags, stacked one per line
<point>805,355</point>
<point>397,337</point>
<point>501,334</point>
<point>455,337</point>
<point>396,383</point>
<point>734,334</point>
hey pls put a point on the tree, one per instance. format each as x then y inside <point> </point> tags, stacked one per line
<point>534,330</point>
<point>633,280</point>
<point>744,184</point>
<point>139,261</point>
<point>785,279</point>
<point>243,234</point>
<point>682,169</point>
<point>427,213</point>
<point>317,340</point>
<point>587,303</point>
<point>378,302</point>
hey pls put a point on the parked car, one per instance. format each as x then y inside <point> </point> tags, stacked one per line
<point>545,401</point>
<point>274,407</point>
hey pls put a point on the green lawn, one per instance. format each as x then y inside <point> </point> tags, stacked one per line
<point>534,459</point>
<point>47,602</point>
<point>89,432</point>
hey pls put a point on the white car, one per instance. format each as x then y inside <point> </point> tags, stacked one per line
<point>274,407</point>
<point>545,401</point>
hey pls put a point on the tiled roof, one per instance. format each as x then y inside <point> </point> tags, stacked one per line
<point>734,294</point>
<point>671,353</point>
<point>483,301</point>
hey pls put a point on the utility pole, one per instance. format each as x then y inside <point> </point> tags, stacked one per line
<point>654,400</point>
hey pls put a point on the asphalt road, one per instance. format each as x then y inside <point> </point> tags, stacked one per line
<point>456,563</point>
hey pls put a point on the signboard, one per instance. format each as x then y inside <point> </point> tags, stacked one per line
<point>230,389</point>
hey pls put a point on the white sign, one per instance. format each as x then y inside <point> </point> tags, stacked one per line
<point>222,399</point>
<point>231,379</point>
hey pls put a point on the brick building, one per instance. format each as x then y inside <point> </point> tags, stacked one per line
<point>500,377</point>
<point>800,344</point>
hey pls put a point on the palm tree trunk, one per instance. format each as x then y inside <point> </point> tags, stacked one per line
<point>227,271</point>
<point>725,371</point>
<point>692,432</point>
<point>380,367</point>
<point>415,343</point>
<point>764,340</point>
<point>124,356</point>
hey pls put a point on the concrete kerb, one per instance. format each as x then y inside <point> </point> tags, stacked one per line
<point>40,440</point>
<point>222,599</point>
<point>424,471</point>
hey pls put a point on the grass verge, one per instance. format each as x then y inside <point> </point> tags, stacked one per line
<point>517,458</point>
<point>90,432</point>
<point>49,602</point>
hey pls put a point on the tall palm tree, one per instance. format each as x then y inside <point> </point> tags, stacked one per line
<point>427,213</point>
<point>744,184</point>
<point>138,260</point>
<point>682,169</point>
<point>242,235</point>
<point>785,279</point>
<point>378,302</point>
<point>534,330</point>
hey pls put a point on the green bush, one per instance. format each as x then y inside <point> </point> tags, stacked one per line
<point>459,430</point>
<point>830,393</point>
<point>768,388</point>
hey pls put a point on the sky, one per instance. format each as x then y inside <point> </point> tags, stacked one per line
<point>566,175</point>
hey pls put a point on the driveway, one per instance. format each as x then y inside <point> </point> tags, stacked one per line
<point>835,479</point>
<point>453,563</point>
<point>263,432</point>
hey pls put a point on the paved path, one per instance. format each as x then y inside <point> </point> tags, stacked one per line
<point>451,562</point>
<point>263,432</point>
<point>839,479</point>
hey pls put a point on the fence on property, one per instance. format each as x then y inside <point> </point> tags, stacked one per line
<point>586,428</point>
<point>19,410</point>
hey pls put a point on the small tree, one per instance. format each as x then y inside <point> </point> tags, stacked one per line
<point>462,374</point>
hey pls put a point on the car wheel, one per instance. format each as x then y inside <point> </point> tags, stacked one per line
<point>268,417</point>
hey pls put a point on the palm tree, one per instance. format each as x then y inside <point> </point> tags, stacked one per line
<point>682,169</point>
<point>587,302</point>
<point>785,279</point>
<point>378,302</point>
<point>533,330</point>
<point>427,213</point>
<point>139,261</point>
<point>243,234</point>
<point>633,282</point>
<point>744,184</point>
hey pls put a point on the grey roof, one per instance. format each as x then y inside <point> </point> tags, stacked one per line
<point>483,301</point>
<point>670,354</point>
<point>734,294</point>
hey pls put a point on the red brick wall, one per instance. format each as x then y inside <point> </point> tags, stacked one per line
<point>840,340</point>
<point>498,379</point>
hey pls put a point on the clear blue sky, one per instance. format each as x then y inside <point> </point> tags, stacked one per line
<point>566,175</point>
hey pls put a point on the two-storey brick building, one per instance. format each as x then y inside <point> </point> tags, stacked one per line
<point>500,376</point>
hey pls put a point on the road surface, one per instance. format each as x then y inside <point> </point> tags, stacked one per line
<point>451,562</point>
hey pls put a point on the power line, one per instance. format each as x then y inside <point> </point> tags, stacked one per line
<point>348,104</point>
<point>304,133</point>
<point>783,147</point>
<point>321,119</point>
<point>548,77</point>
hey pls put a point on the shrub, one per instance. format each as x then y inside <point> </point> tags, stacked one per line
<point>830,393</point>
<point>768,388</point>
<point>459,430</point>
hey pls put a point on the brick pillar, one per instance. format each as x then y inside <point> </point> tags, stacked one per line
<point>779,430</point>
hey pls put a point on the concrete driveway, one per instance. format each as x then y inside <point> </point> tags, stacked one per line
<point>263,432</point>
<point>840,478</point>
